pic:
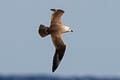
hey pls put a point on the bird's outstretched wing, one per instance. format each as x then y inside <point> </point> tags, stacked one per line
<point>60,50</point>
<point>56,16</point>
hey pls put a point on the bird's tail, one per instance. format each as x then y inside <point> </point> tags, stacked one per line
<point>43,30</point>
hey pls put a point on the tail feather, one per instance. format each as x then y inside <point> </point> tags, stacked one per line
<point>43,30</point>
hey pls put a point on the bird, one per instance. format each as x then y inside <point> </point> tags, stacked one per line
<point>56,29</point>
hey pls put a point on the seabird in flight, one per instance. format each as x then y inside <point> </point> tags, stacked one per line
<point>56,30</point>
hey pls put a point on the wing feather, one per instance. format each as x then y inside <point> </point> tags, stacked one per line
<point>56,16</point>
<point>60,50</point>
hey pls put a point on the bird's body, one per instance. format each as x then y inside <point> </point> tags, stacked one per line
<point>56,30</point>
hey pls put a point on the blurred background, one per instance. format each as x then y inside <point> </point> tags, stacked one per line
<point>93,49</point>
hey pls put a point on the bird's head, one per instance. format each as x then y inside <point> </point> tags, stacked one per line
<point>68,29</point>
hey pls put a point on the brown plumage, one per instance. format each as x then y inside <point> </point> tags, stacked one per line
<point>56,30</point>
<point>43,30</point>
<point>56,16</point>
<point>60,50</point>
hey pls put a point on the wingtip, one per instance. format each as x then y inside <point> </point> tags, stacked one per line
<point>53,9</point>
<point>61,10</point>
<point>57,10</point>
<point>53,69</point>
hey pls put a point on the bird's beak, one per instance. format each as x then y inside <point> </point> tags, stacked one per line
<point>71,30</point>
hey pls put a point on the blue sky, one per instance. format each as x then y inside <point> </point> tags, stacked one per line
<point>92,49</point>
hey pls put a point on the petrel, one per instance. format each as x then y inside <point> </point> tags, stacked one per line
<point>56,30</point>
